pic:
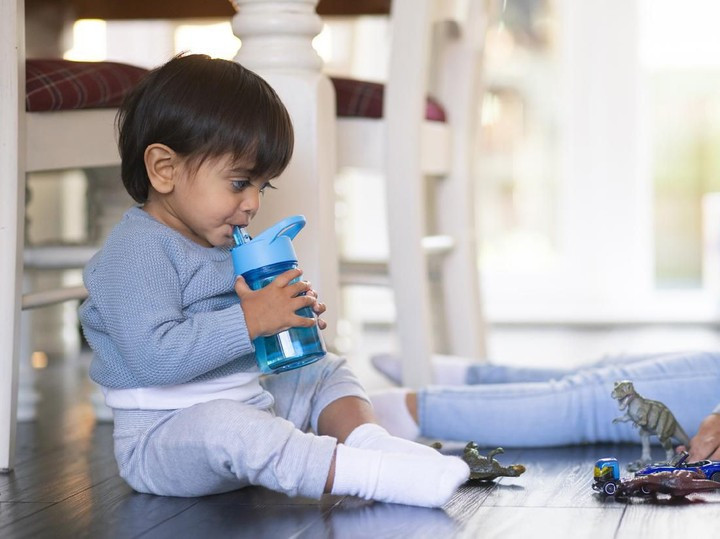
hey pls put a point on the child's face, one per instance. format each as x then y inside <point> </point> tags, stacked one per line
<point>205,205</point>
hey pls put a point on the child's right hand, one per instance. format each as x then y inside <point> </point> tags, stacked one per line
<point>272,308</point>
<point>706,443</point>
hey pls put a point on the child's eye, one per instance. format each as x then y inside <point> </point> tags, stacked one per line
<point>267,185</point>
<point>239,185</point>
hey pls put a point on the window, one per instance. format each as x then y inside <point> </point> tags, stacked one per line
<point>599,159</point>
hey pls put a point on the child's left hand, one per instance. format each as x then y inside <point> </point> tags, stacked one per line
<point>318,308</point>
<point>706,443</point>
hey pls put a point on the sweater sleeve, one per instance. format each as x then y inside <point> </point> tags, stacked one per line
<point>140,304</point>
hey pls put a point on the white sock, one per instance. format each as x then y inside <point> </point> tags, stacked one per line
<point>446,370</point>
<point>397,478</point>
<point>392,413</point>
<point>372,436</point>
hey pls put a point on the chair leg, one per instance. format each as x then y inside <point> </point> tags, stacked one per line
<point>456,77</point>
<point>12,211</point>
<point>10,270</point>
<point>405,189</point>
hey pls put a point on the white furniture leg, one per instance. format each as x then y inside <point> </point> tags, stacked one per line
<point>457,86</point>
<point>405,187</point>
<point>277,44</point>
<point>12,212</point>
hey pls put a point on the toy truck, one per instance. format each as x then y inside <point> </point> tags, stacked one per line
<point>606,476</point>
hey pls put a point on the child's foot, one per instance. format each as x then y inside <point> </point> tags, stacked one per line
<point>391,412</point>
<point>397,478</point>
<point>447,370</point>
<point>372,436</point>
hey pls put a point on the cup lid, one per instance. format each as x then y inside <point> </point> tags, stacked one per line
<point>271,246</point>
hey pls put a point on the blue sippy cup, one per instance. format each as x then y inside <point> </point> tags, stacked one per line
<point>259,260</point>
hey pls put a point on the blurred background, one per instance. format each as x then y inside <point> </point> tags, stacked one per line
<point>597,177</point>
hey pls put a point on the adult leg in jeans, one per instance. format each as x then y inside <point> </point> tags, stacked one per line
<point>573,408</point>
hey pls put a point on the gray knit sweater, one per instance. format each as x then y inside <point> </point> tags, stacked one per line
<point>162,309</point>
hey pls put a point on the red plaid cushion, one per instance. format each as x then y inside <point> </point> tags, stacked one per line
<point>358,98</point>
<point>63,84</point>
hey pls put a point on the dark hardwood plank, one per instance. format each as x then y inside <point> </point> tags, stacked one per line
<point>228,520</point>
<point>259,496</point>
<point>251,512</point>
<point>10,512</point>
<point>556,522</point>
<point>358,519</point>
<point>108,509</point>
<point>696,516</point>
<point>55,475</point>
<point>258,512</point>
<point>469,497</point>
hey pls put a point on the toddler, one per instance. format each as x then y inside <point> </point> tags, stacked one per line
<point>172,329</point>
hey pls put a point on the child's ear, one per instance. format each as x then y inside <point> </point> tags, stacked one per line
<point>161,166</point>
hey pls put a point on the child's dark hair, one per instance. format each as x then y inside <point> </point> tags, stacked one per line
<point>203,108</point>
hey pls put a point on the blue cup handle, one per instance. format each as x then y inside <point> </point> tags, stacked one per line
<point>288,227</point>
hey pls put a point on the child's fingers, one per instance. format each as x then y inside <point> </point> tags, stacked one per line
<point>321,323</point>
<point>303,322</point>
<point>241,287</point>
<point>299,302</point>
<point>311,292</point>
<point>319,308</point>
<point>284,278</point>
<point>302,287</point>
<point>706,443</point>
<point>703,447</point>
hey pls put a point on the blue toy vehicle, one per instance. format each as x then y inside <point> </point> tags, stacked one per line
<point>608,481</point>
<point>606,476</point>
<point>676,478</point>
<point>709,468</point>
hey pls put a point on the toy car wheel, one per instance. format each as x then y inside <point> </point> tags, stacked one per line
<point>609,488</point>
<point>645,490</point>
<point>715,477</point>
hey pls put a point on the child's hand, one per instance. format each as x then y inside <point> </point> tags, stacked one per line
<point>706,443</point>
<point>272,308</point>
<point>318,308</point>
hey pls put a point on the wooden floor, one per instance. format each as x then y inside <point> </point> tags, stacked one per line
<point>65,484</point>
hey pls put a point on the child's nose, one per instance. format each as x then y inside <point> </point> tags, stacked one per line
<point>251,202</point>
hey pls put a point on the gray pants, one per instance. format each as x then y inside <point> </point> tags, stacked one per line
<point>224,445</point>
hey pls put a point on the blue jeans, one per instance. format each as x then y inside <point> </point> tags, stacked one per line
<point>525,407</point>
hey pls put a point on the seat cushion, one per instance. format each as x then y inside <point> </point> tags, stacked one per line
<point>363,99</point>
<point>57,84</point>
